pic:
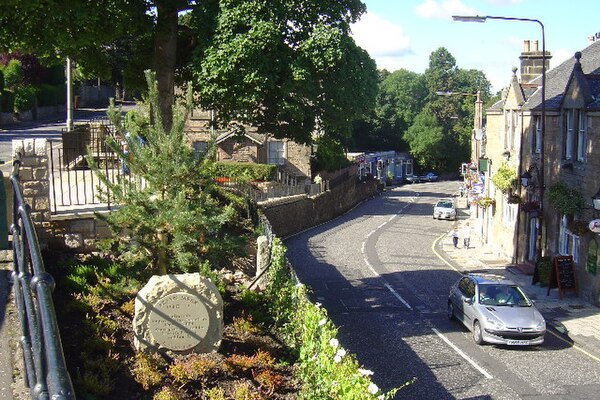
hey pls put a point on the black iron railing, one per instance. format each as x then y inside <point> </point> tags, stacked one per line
<point>45,370</point>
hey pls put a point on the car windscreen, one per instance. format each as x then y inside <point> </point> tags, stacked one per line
<point>502,295</point>
<point>444,204</point>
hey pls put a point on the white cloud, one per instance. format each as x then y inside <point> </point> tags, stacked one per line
<point>380,37</point>
<point>444,9</point>
<point>503,3</point>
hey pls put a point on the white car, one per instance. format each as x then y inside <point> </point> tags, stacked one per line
<point>444,209</point>
<point>496,310</point>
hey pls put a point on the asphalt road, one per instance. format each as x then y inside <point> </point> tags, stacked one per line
<point>375,271</point>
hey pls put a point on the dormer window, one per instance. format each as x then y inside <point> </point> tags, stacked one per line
<point>575,138</point>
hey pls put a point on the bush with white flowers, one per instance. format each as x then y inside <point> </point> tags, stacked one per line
<point>325,368</point>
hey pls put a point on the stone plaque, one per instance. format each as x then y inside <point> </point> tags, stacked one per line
<point>179,321</point>
<point>180,313</point>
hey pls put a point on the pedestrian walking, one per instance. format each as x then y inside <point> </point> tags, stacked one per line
<point>467,236</point>
<point>454,235</point>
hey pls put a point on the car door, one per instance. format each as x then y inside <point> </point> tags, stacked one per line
<point>469,302</point>
<point>458,297</point>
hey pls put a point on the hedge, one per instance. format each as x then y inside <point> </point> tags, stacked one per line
<point>253,172</point>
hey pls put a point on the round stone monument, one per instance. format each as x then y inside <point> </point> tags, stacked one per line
<point>182,313</point>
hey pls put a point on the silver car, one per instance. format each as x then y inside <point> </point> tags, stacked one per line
<point>444,209</point>
<point>496,311</point>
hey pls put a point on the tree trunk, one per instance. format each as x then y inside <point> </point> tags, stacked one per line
<point>165,53</point>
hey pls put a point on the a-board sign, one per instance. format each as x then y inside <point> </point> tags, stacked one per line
<point>563,275</point>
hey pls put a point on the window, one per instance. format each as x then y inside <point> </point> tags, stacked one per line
<point>536,146</point>
<point>509,211</point>
<point>467,287</point>
<point>276,152</point>
<point>581,137</point>
<point>200,149</point>
<point>568,243</point>
<point>510,126</point>
<point>569,137</point>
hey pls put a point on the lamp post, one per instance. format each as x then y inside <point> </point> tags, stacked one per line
<point>479,18</point>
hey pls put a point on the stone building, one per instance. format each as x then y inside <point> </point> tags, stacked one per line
<point>251,146</point>
<point>524,223</point>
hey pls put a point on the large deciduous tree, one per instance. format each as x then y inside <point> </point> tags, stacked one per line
<point>402,95</point>
<point>285,65</point>
<point>289,67</point>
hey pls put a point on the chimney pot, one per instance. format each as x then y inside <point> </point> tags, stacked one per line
<point>526,46</point>
<point>535,45</point>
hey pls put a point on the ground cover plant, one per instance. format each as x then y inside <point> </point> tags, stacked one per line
<point>276,343</point>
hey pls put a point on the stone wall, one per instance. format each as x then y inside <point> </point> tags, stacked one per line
<point>75,231</point>
<point>290,215</point>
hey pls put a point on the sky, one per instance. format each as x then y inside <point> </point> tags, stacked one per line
<point>403,33</point>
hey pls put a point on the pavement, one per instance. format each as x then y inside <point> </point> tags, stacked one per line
<point>571,319</point>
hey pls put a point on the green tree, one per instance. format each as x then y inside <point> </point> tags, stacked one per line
<point>289,68</point>
<point>426,140</point>
<point>284,66</point>
<point>170,210</point>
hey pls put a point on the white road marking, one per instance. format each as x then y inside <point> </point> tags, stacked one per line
<point>368,264</point>
<point>462,354</point>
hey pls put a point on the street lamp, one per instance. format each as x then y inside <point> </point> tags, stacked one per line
<point>479,18</point>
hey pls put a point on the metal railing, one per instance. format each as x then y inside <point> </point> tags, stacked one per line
<point>45,370</point>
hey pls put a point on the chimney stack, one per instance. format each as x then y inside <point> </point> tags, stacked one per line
<point>532,61</point>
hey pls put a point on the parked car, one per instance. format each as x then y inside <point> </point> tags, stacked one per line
<point>429,177</point>
<point>496,310</point>
<point>444,209</point>
<point>412,179</point>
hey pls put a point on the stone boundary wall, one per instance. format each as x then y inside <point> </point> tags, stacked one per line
<point>291,215</point>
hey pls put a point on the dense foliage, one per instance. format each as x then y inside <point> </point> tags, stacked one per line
<point>410,115</point>
<point>566,200</point>
<point>286,67</point>
<point>246,171</point>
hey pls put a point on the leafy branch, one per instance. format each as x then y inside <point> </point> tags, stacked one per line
<point>566,200</point>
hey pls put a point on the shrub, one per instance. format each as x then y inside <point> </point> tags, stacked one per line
<point>325,369</point>
<point>8,101</point>
<point>544,268</point>
<point>13,74</point>
<point>50,95</point>
<point>566,200</point>
<point>246,171</point>
<point>25,98</point>
<point>146,371</point>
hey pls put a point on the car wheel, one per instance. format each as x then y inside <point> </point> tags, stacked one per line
<point>451,315</point>
<point>477,335</point>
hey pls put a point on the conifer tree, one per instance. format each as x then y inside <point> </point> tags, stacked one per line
<point>169,210</point>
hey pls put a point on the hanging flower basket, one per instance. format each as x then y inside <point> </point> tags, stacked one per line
<point>485,202</point>
<point>578,227</point>
<point>514,199</point>
<point>530,206</point>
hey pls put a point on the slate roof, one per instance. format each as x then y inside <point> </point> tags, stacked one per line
<point>249,132</point>
<point>557,79</point>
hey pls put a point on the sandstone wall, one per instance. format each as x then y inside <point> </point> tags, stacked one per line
<point>290,215</point>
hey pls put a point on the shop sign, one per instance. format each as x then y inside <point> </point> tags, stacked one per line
<point>594,225</point>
